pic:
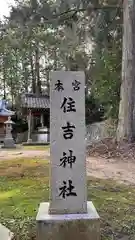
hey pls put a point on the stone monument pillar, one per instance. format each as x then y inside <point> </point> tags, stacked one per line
<point>68,215</point>
<point>8,141</point>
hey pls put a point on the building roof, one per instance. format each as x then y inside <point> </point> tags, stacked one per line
<point>9,121</point>
<point>32,101</point>
<point>4,111</point>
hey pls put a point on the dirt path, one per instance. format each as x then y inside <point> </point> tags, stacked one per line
<point>119,170</point>
<point>5,155</point>
<point>96,167</point>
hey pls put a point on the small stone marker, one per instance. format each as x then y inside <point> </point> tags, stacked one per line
<point>8,141</point>
<point>5,233</point>
<point>68,215</point>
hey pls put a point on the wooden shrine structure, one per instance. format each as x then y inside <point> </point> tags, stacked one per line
<point>37,111</point>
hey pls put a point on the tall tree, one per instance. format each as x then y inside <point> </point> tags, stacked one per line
<point>126,124</point>
<point>44,35</point>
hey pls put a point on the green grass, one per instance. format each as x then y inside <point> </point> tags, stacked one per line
<point>45,147</point>
<point>24,184</point>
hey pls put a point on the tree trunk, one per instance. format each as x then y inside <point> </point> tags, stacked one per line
<point>4,78</point>
<point>37,68</point>
<point>12,90</point>
<point>125,130</point>
<point>25,73</point>
<point>55,59</point>
<point>33,75</point>
<point>48,83</point>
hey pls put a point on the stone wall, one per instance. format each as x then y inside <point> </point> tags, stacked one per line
<point>99,131</point>
<point>23,137</point>
<point>94,132</point>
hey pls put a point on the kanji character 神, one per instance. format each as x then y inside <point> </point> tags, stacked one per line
<point>67,159</point>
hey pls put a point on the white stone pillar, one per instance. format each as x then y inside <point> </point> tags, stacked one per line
<point>68,215</point>
<point>68,156</point>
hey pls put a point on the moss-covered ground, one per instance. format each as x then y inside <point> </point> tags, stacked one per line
<point>25,183</point>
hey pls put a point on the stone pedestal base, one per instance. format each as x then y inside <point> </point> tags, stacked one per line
<point>29,140</point>
<point>68,226</point>
<point>9,143</point>
<point>5,233</point>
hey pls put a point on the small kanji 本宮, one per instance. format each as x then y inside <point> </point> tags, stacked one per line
<point>67,191</point>
<point>59,86</point>
<point>76,85</point>
<point>68,159</point>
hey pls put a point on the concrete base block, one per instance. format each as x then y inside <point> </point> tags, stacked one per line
<point>68,226</point>
<point>29,140</point>
<point>5,233</point>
